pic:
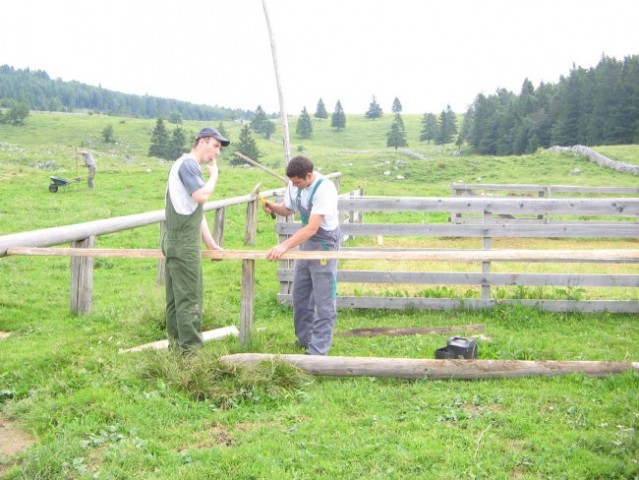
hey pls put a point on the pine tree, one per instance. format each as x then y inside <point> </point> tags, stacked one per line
<point>304,127</point>
<point>338,119</point>
<point>320,111</point>
<point>177,144</point>
<point>159,140</point>
<point>107,134</point>
<point>397,106</point>
<point>258,119</point>
<point>396,137</point>
<point>447,126</point>
<point>246,145</point>
<point>429,128</point>
<point>464,132</point>
<point>374,110</point>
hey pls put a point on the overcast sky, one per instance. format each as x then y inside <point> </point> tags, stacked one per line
<point>217,52</point>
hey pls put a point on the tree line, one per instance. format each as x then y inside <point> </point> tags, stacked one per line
<point>595,106</point>
<point>39,92</point>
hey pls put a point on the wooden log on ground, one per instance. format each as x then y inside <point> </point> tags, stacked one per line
<point>378,331</point>
<point>207,336</point>
<point>431,369</point>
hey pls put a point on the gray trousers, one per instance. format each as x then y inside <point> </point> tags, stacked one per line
<point>314,303</point>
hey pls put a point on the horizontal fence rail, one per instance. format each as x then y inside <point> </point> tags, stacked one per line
<point>626,207</point>
<point>248,257</point>
<point>583,256</point>
<point>465,189</point>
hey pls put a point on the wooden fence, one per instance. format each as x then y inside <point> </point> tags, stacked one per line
<point>605,218</point>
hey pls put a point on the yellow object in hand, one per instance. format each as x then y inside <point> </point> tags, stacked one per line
<point>263,202</point>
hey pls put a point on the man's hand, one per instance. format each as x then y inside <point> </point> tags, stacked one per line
<point>212,168</point>
<point>276,252</point>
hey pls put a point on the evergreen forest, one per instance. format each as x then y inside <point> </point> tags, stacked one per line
<point>40,92</point>
<point>595,106</point>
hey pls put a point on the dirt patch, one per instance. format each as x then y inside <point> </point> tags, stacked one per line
<point>12,440</point>
<point>4,335</point>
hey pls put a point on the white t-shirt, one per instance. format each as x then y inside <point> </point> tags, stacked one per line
<point>324,201</point>
<point>185,178</point>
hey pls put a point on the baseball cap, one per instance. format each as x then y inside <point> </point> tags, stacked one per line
<point>212,132</point>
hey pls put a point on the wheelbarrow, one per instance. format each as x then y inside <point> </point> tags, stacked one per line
<point>57,182</point>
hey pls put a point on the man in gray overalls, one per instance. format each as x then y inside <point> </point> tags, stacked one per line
<point>186,227</point>
<point>314,281</point>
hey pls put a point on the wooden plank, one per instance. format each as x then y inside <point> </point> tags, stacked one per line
<point>497,205</point>
<point>541,188</point>
<point>478,230</point>
<point>431,369</point>
<point>586,256</point>
<point>87,252</point>
<point>470,278</point>
<point>421,303</point>
<point>207,336</point>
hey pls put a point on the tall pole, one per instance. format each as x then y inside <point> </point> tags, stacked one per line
<point>283,117</point>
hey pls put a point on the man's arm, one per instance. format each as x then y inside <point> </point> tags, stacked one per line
<point>207,238</point>
<point>201,195</point>
<point>298,238</point>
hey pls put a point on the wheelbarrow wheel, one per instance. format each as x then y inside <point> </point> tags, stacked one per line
<point>53,188</point>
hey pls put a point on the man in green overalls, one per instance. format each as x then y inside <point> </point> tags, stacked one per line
<point>314,281</point>
<point>186,192</point>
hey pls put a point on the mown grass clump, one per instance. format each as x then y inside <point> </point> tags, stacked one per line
<point>204,377</point>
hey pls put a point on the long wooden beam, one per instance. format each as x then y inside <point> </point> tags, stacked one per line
<point>431,369</point>
<point>603,255</point>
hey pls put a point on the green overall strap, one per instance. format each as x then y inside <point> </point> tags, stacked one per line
<point>305,213</point>
<point>310,199</point>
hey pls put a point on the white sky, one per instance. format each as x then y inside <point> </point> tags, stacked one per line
<point>217,52</point>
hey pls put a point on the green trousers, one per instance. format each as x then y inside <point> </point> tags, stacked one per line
<point>184,295</point>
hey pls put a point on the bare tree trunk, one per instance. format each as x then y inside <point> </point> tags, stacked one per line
<point>283,116</point>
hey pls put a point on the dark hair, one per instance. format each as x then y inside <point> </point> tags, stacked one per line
<point>299,167</point>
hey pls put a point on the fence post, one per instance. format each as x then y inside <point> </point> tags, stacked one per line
<point>161,273</point>
<point>485,266</point>
<point>218,226</point>
<point>251,222</point>
<point>246,302</point>
<point>82,278</point>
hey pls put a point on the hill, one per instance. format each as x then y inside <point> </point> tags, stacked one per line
<point>43,93</point>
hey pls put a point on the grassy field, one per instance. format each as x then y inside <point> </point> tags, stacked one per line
<point>93,413</point>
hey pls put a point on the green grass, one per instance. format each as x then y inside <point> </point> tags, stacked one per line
<point>96,413</point>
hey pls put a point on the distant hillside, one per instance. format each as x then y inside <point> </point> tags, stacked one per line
<point>40,92</point>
